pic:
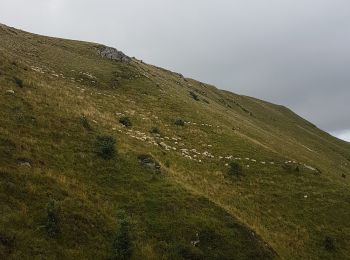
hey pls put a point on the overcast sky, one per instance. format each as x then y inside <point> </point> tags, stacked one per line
<point>290,52</point>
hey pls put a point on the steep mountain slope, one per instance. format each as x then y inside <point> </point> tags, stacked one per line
<point>58,96</point>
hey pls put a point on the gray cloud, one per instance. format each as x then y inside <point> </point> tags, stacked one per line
<point>291,52</point>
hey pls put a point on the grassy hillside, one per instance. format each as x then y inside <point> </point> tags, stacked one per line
<point>61,199</point>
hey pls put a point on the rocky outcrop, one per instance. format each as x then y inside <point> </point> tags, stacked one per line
<point>113,54</point>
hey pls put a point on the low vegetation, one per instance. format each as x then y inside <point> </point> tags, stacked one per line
<point>329,243</point>
<point>125,121</point>
<point>155,130</point>
<point>18,82</point>
<point>179,122</point>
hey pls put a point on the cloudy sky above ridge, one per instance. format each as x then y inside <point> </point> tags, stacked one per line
<point>290,52</point>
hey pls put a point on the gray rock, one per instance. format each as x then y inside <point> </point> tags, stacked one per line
<point>149,161</point>
<point>113,54</point>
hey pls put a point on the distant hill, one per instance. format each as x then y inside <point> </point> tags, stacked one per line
<point>103,156</point>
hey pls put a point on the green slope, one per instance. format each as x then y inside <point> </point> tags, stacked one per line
<point>293,194</point>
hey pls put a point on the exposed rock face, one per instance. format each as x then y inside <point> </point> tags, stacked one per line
<point>113,54</point>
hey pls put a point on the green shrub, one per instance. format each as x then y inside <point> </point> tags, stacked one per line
<point>194,96</point>
<point>105,147</point>
<point>125,121</point>
<point>235,169</point>
<point>329,243</point>
<point>122,243</point>
<point>85,122</point>
<point>179,122</point>
<point>52,223</point>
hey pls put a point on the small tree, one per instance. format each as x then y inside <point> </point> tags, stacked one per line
<point>125,121</point>
<point>235,169</point>
<point>105,147</point>
<point>122,242</point>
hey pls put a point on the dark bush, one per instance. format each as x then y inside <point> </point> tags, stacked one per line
<point>105,147</point>
<point>179,122</point>
<point>18,81</point>
<point>52,223</point>
<point>85,122</point>
<point>122,242</point>
<point>125,121</point>
<point>155,130</point>
<point>194,96</point>
<point>235,169</point>
<point>329,243</point>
